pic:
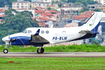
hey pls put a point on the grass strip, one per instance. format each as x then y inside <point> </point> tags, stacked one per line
<point>61,48</point>
<point>52,64</point>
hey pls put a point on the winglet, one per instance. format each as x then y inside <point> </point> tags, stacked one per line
<point>37,32</point>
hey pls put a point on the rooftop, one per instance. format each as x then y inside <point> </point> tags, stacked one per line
<point>1,11</point>
<point>86,14</point>
<point>38,11</point>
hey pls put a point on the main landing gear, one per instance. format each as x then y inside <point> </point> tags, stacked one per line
<point>40,50</point>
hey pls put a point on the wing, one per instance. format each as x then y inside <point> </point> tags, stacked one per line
<point>37,39</point>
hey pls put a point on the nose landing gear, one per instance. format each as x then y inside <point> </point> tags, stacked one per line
<point>5,51</point>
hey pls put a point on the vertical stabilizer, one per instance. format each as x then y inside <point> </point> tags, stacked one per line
<point>93,22</point>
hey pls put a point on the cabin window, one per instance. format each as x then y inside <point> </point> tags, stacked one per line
<point>47,32</point>
<point>42,32</point>
<point>63,32</point>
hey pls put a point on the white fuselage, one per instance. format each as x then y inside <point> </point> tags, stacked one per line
<point>53,35</point>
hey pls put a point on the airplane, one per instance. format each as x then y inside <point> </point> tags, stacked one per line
<point>41,36</point>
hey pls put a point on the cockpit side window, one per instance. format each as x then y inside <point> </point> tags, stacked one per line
<point>29,31</point>
<point>25,32</point>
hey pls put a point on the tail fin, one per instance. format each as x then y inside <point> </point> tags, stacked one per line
<point>93,23</point>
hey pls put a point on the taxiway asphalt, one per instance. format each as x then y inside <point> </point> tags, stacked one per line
<point>53,54</point>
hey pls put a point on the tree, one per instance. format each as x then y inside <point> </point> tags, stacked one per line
<point>49,8</point>
<point>60,4</point>
<point>52,2</point>
<point>64,0</point>
<point>73,1</point>
<point>16,23</point>
<point>28,0</point>
<point>98,10</point>
<point>6,2</point>
<point>91,2</point>
<point>85,8</point>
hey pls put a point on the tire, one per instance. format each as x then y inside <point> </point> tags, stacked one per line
<point>5,51</point>
<point>40,50</point>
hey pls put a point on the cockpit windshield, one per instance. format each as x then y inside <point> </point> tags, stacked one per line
<point>25,31</point>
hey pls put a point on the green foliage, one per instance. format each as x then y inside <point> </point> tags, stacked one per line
<point>84,2</point>
<point>76,48</point>
<point>64,0</point>
<point>98,10</point>
<point>85,8</point>
<point>73,1</point>
<point>55,10</point>
<point>92,2</point>
<point>82,11</point>
<point>60,4</point>
<point>61,48</point>
<point>55,63</point>
<point>49,8</point>
<point>16,23</point>
<point>28,0</point>
<point>6,2</point>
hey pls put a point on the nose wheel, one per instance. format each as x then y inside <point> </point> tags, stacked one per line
<point>5,51</point>
<point>40,50</point>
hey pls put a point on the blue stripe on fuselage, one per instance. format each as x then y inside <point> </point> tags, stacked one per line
<point>21,40</point>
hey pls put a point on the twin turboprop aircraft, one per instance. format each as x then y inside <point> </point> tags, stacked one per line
<point>40,36</point>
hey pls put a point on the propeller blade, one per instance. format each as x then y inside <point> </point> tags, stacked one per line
<point>10,40</point>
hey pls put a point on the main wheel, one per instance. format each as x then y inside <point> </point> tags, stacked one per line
<point>40,50</point>
<point>5,51</point>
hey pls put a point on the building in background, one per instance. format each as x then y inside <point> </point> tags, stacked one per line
<point>73,24</point>
<point>2,12</point>
<point>94,6</point>
<point>21,5</point>
<point>1,19</point>
<point>101,1</point>
<point>69,12</point>
<point>102,8</point>
<point>44,5</point>
<point>4,8</point>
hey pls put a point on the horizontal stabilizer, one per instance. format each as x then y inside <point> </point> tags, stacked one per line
<point>85,32</point>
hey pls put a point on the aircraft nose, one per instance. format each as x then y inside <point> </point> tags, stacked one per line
<point>6,39</point>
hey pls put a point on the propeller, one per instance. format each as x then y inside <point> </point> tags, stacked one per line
<point>11,40</point>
